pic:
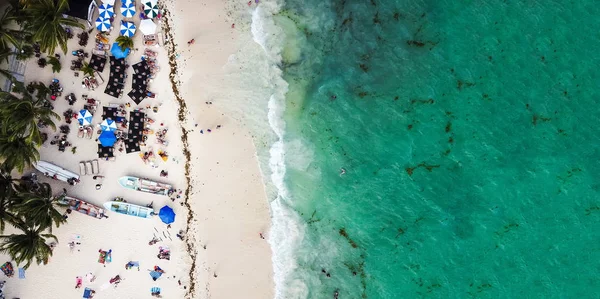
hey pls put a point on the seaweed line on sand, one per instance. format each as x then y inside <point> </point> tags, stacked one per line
<point>182,112</point>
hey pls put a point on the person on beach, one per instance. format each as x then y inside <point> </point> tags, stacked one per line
<point>191,42</point>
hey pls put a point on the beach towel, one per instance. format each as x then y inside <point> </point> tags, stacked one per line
<point>7,269</point>
<point>21,273</point>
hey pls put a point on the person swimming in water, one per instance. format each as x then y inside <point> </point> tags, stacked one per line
<point>336,294</point>
<point>342,171</point>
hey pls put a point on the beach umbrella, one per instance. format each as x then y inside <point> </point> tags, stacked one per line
<point>102,24</point>
<point>106,11</point>
<point>147,27</point>
<point>167,215</point>
<point>84,117</point>
<point>107,138</point>
<point>127,29</point>
<point>128,9</point>
<point>117,52</point>
<point>108,125</point>
<point>151,9</point>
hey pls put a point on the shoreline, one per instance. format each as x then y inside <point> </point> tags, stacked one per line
<point>181,113</point>
<point>242,206</point>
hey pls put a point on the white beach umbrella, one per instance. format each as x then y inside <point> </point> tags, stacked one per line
<point>147,27</point>
<point>127,29</point>
<point>128,10</point>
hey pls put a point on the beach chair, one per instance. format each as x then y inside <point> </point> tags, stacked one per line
<point>88,293</point>
<point>82,168</point>
<point>95,167</point>
<point>88,167</point>
<point>21,273</point>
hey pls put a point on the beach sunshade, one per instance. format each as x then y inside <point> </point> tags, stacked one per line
<point>108,125</point>
<point>102,24</point>
<point>107,138</point>
<point>117,52</point>
<point>147,27</point>
<point>128,9</point>
<point>84,117</point>
<point>167,215</point>
<point>155,275</point>
<point>132,146</point>
<point>105,152</point>
<point>151,9</point>
<point>127,29</point>
<point>106,10</point>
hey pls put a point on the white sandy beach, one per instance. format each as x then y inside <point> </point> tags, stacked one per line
<point>227,195</point>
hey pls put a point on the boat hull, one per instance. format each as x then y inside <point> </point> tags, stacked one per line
<point>55,171</point>
<point>83,207</point>
<point>144,185</point>
<point>129,209</point>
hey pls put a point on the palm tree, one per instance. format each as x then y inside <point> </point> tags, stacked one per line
<point>87,69</point>
<point>17,153</point>
<point>29,246</point>
<point>9,36</point>
<point>55,63</point>
<point>6,199</point>
<point>45,21</point>
<point>37,206</point>
<point>124,42</point>
<point>20,117</point>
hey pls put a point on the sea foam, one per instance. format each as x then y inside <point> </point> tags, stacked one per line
<point>286,229</point>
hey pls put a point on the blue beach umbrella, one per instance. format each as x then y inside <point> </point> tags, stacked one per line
<point>108,125</point>
<point>117,52</point>
<point>102,24</point>
<point>107,138</point>
<point>84,117</point>
<point>167,215</point>
<point>106,11</point>
<point>128,9</point>
<point>127,29</point>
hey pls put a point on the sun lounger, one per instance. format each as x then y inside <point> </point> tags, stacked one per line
<point>88,167</point>
<point>80,132</point>
<point>21,273</point>
<point>95,167</point>
<point>82,168</point>
<point>89,131</point>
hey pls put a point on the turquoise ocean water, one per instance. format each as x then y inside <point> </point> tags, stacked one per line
<point>469,135</point>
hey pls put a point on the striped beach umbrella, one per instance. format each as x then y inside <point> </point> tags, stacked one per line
<point>151,10</point>
<point>108,125</point>
<point>84,117</point>
<point>127,29</point>
<point>102,24</point>
<point>106,11</point>
<point>128,9</point>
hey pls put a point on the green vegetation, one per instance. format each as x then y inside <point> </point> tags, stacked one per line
<point>124,42</point>
<point>25,204</point>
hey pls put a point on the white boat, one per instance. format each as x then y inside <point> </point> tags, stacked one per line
<point>83,207</point>
<point>144,185</point>
<point>129,209</point>
<point>56,172</point>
